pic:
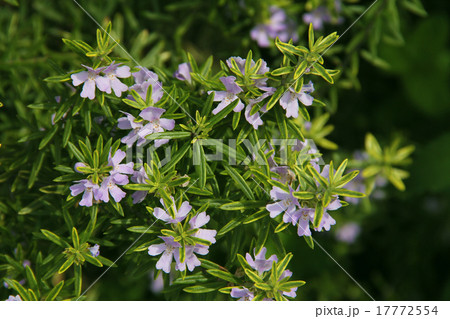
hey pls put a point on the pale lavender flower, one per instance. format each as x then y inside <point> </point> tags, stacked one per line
<point>91,78</point>
<point>88,189</point>
<point>167,249</point>
<point>95,250</point>
<point>286,202</point>
<point>130,123</point>
<point>156,284</point>
<point>183,73</point>
<point>109,187</point>
<point>242,293</point>
<point>117,177</point>
<point>113,72</point>
<point>139,177</point>
<point>180,213</point>
<point>348,233</point>
<point>14,298</point>
<point>25,263</point>
<point>317,17</point>
<point>119,170</point>
<point>292,293</point>
<point>278,26</point>
<point>143,79</point>
<point>228,96</point>
<point>260,263</point>
<point>289,100</point>
<point>155,124</point>
<point>207,234</point>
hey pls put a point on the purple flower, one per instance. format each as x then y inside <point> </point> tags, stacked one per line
<point>113,72</point>
<point>143,79</point>
<point>317,17</point>
<point>119,170</point>
<point>88,189</point>
<point>242,293</point>
<point>78,165</point>
<point>207,234</point>
<point>228,96</point>
<point>260,263</point>
<point>292,293</point>
<point>180,214</point>
<point>109,187</point>
<point>117,177</point>
<point>289,100</point>
<point>95,250</point>
<point>127,123</point>
<point>286,202</point>
<point>156,284</point>
<point>168,249</point>
<point>348,233</point>
<point>139,177</point>
<point>278,26</point>
<point>90,78</point>
<point>183,73</point>
<point>14,298</point>
<point>155,124</point>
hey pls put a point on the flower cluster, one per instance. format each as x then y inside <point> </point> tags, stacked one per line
<point>171,248</point>
<point>109,182</point>
<point>92,78</point>
<point>297,213</point>
<point>264,267</point>
<point>279,25</point>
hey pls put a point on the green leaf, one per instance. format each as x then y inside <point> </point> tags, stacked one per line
<point>48,137</point>
<point>168,135</point>
<point>66,264</point>
<point>75,238</point>
<point>92,260</point>
<point>300,70</point>
<point>274,98</point>
<point>247,204</point>
<point>176,158</point>
<point>281,265</point>
<point>31,278</point>
<point>35,169</point>
<point>230,226</point>
<point>289,48</point>
<point>318,214</point>
<point>55,238</point>
<point>223,275</point>
<point>256,216</point>
<point>200,163</point>
<point>201,289</point>
<point>219,116</point>
<point>141,229</point>
<point>323,73</point>
<point>347,192</point>
<point>311,36</point>
<point>241,183</point>
<point>78,280</point>
<point>373,148</point>
<point>287,286</point>
<point>309,241</point>
<point>319,178</point>
<point>304,195</point>
<point>253,275</point>
<point>281,122</point>
<point>55,291</point>
<point>282,71</point>
<point>236,117</point>
<point>198,191</point>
